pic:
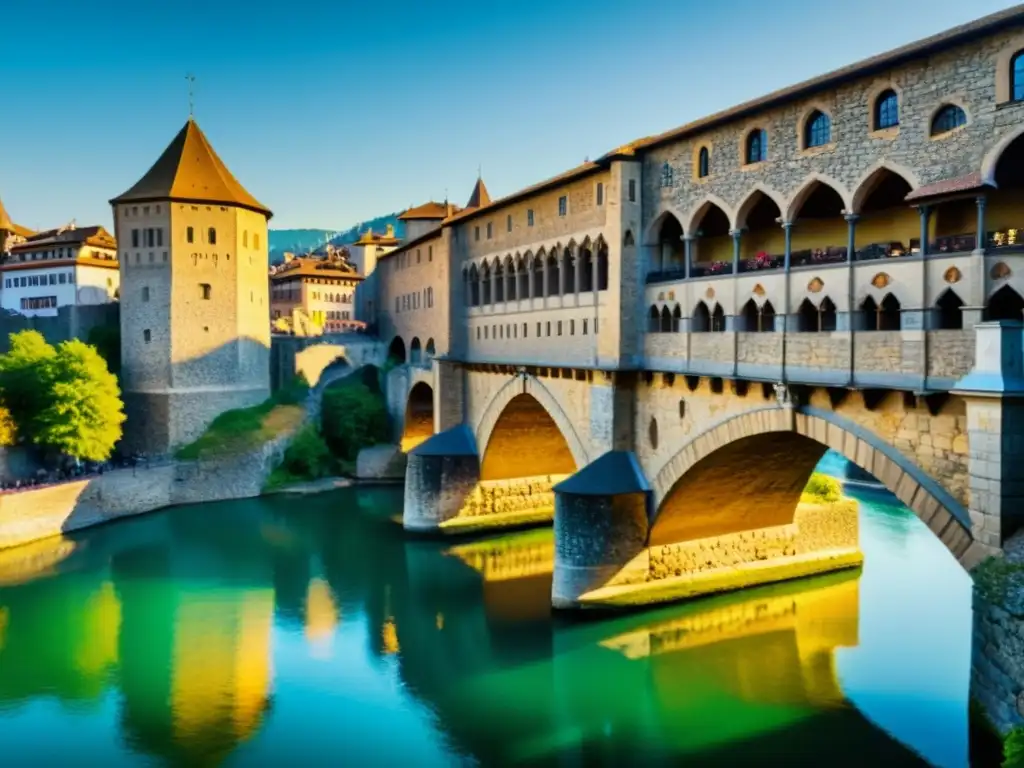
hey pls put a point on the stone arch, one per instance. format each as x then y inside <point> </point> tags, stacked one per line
<point>870,179</point>
<point>396,351</point>
<point>739,220</point>
<point>418,424</point>
<point>532,389</point>
<point>696,214</point>
<point>792,442</point>
<point>653,231</point>
<point>796,201</point>
<point>990,162</point>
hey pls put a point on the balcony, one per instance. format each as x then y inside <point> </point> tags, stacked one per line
<point>953,244</point>
<point>712,269</point>
<point>762,262</point>
<point>666,276</point>
<point>886,250</point>
<point>833,254</point>
<point>1006,241</point>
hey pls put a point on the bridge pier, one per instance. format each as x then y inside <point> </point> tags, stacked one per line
<point>440,477</point>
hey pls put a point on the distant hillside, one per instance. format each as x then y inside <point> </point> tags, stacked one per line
<point>305,240</point>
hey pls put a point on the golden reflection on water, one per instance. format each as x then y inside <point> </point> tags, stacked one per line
<point>35,560</point>
<point>220,667</point>
<point>322,618</point>
<point>101,627</point>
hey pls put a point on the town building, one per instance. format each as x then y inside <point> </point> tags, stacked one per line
<point>69,266</point>
<point>10,233</point>
<point>320,290</point>
<point>424,218</point>
<point>370,246</point>
<point>194,295</point>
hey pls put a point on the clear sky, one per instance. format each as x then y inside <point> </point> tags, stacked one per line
<point>334,111</point>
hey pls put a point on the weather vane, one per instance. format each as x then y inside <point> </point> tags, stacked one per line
<point>191,82</point>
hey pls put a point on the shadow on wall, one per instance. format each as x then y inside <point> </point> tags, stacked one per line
<point>69,323</point>
<point>231,375</point>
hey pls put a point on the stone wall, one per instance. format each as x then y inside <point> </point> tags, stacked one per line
<point>70,322</point>
<point>50,511</point>
<point>496,497</point>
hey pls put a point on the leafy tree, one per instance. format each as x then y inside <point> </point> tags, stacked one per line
<point>307,456</point>
<point>353,418</point>
<point>83,412</point>
<point>8,429</point>
<point>23,376</point>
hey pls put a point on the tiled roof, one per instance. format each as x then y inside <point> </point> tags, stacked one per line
<point>307,267</point>
<point>431,210</point>
<point>479,197</point>
<point>968,183</point>
<point>189,170</point>
<point>95,235</point>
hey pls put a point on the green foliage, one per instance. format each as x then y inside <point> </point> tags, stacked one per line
<point>823,489</point>
<point>63,399</point>
<point>8,429</point>
<point>306,458</point>
<point>243,429</point>
<point>23,377</point>
<point>107,340</point>
<point>83,413</point>
<point>1013,749</point>
<point>353,418</point>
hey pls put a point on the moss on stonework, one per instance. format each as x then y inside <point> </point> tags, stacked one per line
<point>822,489</point>
<point>995,577</point>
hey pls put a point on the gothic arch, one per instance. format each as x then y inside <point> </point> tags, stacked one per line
<point>869,180</point>
<point>697,212</point>
<point>750,200</point>
<point>796,201</point>
<point>529,385</point>
<point>653,230</point>
<point>768,428</point>
<point>990,162</point>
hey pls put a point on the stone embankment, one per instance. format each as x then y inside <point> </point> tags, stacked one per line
<point>51,510</point>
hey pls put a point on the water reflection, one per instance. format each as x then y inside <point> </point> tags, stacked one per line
<point>263,632</point>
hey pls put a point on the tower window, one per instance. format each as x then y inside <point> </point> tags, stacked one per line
<point>508,222</point>
<point>146,336</point>
<point>205,290</point>
<point>817,130</point>
<point>245,238</point>
<point>255,240</point>
<point>145,293</point>
<point>135,238</point>
<point>563,205</point>
<point>190,235</point>
<point>632,190</point>
<point>529,218</point>
<point>887,110</point>
<point>600,193</point>
<point>211,236</point>
<point>703,163</point>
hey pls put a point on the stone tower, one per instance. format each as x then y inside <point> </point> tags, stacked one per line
<point>195,328</point>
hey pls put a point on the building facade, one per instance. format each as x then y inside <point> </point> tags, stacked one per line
<point>194,295</point>
<point>70,266</point>
<point>320,289</point>
<point>880,197</point>
<point>364,252</point>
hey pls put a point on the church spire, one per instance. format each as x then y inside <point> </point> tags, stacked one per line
<point>479,198</point>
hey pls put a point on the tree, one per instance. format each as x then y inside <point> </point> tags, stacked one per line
<point>83,412</point>
<point>353,418</point>
<point>107,340</point>
<point>23,377</point>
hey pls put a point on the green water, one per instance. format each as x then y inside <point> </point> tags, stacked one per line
<point>311,631</point>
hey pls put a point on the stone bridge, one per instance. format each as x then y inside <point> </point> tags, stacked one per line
<point>692,479</point>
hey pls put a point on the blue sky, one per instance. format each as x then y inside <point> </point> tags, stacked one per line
<point>332,112</point>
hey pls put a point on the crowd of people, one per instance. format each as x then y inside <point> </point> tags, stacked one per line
<point>71,471</point>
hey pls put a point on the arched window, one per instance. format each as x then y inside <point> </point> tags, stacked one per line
<point>666,320</point>
<point>1004,304</point>
<point>553,275</point>
<point>701,321</point>
<point>887,110</point>
<point>523,270</point>
<point>1017,76</point>
<point>703,163</point>
<point>817,319</point>
<point>474,287</point>
<point>586,271</point>
<point>767,318</point>
<point>538,277</point>
<point>947,119</point>
<point>751,316</point>
<point>569,264</point>
<point>211,236</point>
<point>951,316</point>
<point>653,320</point>
<point>485,278</point>
<point>499,282</point>
<point>889,314</point>
<point>602,267</point>
<point>718,319</point>
<point>510,269</point>
<point>677,318</point>
<point>817,130</point>
<point>757,146</point>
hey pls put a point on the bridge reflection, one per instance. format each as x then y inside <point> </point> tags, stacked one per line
<point>179,620</point>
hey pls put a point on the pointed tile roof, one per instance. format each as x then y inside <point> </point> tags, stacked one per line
<point>191,171</point>
<point>480,197</point>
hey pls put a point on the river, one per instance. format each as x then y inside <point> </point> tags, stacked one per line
<point>286,631</point>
